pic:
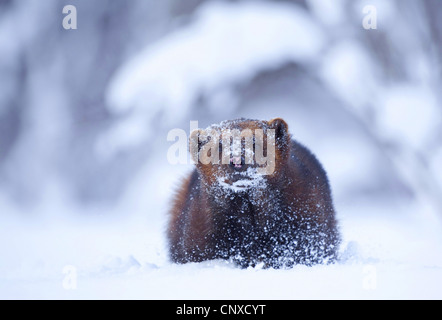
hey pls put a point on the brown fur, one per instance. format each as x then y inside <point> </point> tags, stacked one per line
<point>289,219</point>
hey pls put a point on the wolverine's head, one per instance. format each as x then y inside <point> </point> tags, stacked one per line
<point>239,154</point>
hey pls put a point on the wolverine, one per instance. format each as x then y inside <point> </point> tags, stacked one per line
<point>255,197</point>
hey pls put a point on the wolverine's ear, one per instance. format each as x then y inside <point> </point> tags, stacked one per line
<point>195,144</point>
<point>281,128</point>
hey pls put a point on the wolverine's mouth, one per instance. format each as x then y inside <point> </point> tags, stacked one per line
<point>242,180</point>
<point>237,178</point>
<point>237,185</point>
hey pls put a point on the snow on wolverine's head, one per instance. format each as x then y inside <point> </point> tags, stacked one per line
<point>239,154</point>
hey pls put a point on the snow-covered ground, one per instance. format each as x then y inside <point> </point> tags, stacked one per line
<point>88,255</point>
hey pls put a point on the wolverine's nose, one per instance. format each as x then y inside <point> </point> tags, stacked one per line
<point>237,163</point>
